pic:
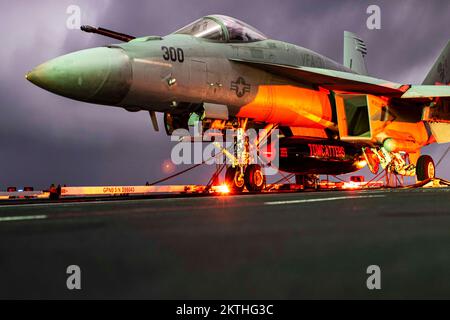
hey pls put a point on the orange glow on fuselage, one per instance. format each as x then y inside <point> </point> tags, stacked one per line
<point>290,106</point>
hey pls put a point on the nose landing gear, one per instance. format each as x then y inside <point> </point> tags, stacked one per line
<point>253,178</point>
<point>244,172</point>
<point>234,179</point>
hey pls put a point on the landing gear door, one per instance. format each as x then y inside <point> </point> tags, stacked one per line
<point>353,117</point>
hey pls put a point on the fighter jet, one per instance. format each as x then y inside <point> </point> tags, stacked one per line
<point>333,118</point>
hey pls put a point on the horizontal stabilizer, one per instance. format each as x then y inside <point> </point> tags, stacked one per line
<point>427,91</point>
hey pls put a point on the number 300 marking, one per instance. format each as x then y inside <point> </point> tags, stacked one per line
<point>174,54</point>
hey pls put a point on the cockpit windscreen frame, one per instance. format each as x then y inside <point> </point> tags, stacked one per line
<point>221,28</point>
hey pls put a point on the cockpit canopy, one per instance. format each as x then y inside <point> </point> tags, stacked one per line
<point>223,29</point>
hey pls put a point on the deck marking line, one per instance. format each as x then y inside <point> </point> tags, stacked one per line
<point>23,218</point>
<point>320,199</point>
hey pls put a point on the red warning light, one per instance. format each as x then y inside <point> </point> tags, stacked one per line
<point>167,166</point>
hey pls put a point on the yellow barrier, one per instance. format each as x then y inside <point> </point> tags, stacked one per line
<point>125,190</point>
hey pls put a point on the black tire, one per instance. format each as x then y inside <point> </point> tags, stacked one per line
<point>232,180</point>
<point>425,168</point>
<point>254,178</point>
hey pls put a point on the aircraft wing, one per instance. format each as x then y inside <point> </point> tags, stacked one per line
<point>332,79</point>
<point>346,81</point>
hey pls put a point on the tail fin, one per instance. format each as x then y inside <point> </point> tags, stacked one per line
<point>354,52</point>
<point>440,72</point>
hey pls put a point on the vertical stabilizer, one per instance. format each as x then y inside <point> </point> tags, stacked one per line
<point>354,52</point>
<point>440,72</point>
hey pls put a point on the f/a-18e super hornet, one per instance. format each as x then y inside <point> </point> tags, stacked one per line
<point>333,117</point>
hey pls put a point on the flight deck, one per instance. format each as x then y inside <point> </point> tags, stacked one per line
<point>251,246</point>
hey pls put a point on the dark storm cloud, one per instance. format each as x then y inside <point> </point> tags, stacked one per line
<point>46,138</point>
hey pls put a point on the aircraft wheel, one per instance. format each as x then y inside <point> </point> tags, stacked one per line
<point>234,180</point>
<point>254,178</point>
<point>425,168</point>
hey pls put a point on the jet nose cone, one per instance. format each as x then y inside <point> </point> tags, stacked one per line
<point>29,76</point>
<point>99,75</point>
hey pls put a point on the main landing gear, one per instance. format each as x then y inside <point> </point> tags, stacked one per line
<point>395,162</point>
<point>425,168</point>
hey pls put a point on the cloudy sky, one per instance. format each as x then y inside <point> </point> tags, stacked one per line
<point>45,138</point>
